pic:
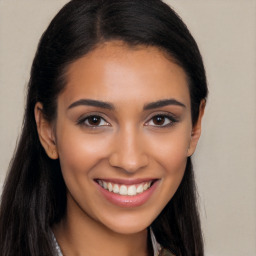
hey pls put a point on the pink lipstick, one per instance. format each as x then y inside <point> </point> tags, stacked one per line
<point>127,193</point>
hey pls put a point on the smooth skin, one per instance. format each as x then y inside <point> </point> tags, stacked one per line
<point>131,134</point>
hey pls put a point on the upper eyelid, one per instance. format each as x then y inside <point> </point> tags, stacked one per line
<point>169,115</point>
<point>165,114</point>
<point>84,117</point>
<point>173,119</point>
<point>99,114</point>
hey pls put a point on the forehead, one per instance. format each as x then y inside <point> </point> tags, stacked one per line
<point>119,73</point>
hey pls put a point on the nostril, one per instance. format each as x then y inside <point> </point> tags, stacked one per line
<point>128,162</point>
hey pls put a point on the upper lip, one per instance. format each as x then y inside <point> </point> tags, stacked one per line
<point>127,181</point>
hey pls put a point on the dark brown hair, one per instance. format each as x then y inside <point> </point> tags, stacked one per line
<point>34,194</point>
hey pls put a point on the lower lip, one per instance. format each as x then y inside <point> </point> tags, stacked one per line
<point>128,201</point>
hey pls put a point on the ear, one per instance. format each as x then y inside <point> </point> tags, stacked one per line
<point>196,130</point>
<point>45,132</point>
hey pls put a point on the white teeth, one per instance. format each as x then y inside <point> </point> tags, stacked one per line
<point>116,189</point>
<point>145,187</point>
<point>132,190</point>
<point>110,187</point>
<point>105,185</point>
<point>125,190</point>
<point>139,189</point>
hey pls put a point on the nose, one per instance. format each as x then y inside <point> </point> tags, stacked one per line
<point>129,152</point>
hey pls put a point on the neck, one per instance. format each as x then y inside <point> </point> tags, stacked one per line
<point>81,235</point>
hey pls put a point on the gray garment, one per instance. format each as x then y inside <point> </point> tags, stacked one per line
<point>155,244</point>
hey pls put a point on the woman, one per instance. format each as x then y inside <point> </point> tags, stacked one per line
<point>114,108</point>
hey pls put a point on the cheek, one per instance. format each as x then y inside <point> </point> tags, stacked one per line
<point>79,152</point>
<point>170,151</point>
<point>174,158</point>
<point>174,165</point>
<point>171,155</point>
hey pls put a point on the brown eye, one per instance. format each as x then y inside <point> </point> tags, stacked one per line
<point>158,120</point>
<point>161,121</point>
<point>93,121</point>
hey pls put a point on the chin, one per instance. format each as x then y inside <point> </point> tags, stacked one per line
<point>129,223</point>
<point>128,228</point>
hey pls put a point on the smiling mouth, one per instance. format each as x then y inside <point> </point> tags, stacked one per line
<point>125,190</point>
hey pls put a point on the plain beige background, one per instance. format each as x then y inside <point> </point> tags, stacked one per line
<point>225,162</point>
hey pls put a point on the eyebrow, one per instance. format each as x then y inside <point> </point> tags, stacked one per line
<point>163,103</point>
<point>93,103</point>
<point>107,105</point>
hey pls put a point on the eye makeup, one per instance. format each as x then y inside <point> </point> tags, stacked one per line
<point>92,121</point>
<point>162,120</point>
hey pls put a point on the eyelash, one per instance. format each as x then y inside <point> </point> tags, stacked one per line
<point>172,120</point>
<point>82,121</point>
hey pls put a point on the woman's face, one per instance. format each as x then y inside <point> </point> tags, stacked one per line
<point>123,134</point>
